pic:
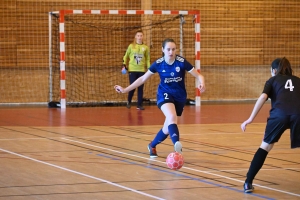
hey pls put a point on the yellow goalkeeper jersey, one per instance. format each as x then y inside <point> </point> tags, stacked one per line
<point>137,58</point>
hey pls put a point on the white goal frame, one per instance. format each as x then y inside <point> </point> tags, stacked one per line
<point>62,58</point>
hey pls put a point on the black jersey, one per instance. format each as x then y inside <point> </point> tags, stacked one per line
<point>284,92</point>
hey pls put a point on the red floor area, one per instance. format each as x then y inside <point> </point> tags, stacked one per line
<point>114,116</point>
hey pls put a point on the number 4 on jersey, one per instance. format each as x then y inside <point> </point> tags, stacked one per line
<point>289,85</point>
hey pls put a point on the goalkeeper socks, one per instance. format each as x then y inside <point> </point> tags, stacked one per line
<point>160,137</point>
<point>174,132</point>
<point>256,164</point>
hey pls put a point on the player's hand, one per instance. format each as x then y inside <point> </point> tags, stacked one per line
<point>124,66</point>
<point>244,124</point>
<point>119,89</point>
<point>201,87</point>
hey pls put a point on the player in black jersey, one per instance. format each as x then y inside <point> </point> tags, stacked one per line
<point>283,88</point>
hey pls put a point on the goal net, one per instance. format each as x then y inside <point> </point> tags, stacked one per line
<point>87,49</point>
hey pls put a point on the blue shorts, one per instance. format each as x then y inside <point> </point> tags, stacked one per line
<point>167,98</point>
<point>277,123</point>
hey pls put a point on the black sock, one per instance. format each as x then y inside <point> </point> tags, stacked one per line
<point>256,164</point>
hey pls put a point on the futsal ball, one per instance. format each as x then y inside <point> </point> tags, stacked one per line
<point>175,160</point>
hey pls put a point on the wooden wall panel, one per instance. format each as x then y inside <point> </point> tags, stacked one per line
<point>235,36</point>
<point>8,38</point>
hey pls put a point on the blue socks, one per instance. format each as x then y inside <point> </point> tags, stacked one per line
<point>160,137</point>
<point>174,132</point>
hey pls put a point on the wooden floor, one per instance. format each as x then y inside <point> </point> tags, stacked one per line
<point>101,153</point>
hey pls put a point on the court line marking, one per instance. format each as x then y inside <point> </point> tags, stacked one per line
<point>82,174</point>
<point>209,182</point>
<point>108,136</point>
<point>188,168</point>
<point>241,170</point>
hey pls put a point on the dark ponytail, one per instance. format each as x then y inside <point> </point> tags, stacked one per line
<point>282,66</point>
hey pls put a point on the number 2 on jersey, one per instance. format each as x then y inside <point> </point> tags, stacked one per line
<point>166,95</point>
<point>289,85</point>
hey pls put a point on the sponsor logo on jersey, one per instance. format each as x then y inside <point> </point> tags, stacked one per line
<point>138,58</point>
<point>173,79</point>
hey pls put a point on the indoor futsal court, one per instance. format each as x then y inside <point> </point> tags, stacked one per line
<point>101,153</point>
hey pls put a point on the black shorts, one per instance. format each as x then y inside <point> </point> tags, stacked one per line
<point>277,123</point>
<point>179,105</point>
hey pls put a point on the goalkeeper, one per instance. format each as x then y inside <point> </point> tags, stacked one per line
<point>137,61</point>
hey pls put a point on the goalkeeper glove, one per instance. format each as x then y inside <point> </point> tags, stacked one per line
<point>124,69</point>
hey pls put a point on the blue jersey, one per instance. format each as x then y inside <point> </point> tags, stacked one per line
<point>171,78</point>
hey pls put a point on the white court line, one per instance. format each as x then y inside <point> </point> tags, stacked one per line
<point>241,170</point>
<point>82,174</point>
<point>109,136</point>
<point>188,168</point>
<point>58,137</point>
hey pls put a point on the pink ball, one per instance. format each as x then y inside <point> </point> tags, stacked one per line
<point>175,161</point>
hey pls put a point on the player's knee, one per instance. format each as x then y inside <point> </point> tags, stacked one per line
<point>172,119</point>
<point>266,146</point>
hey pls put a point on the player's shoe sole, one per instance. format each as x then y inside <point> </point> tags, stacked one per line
<point>178,147</point>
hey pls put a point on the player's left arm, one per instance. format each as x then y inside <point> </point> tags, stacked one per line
<point>200,78</point>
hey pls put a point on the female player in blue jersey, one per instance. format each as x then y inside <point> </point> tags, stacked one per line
<point>284,91</point>
<point>171,92</point>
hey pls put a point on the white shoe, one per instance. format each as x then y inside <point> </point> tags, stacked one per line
<point>178,147</point>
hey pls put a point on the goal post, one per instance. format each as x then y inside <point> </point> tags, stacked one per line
<point>79,49</point>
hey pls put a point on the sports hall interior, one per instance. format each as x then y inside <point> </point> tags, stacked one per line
<point>98,150</point>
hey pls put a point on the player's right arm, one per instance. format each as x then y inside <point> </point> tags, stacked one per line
<point>258,105</point>
<point>127,56</point>
<point>135,84</point>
